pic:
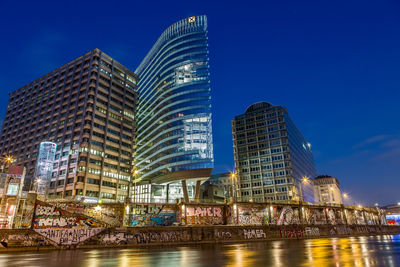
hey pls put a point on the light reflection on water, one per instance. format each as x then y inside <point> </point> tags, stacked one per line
<point>353,251</point>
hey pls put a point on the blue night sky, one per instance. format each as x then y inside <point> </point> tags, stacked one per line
<point>335,65</point>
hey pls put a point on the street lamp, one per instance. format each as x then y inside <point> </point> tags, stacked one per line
<point>305,180</point>
<point>6,160</point>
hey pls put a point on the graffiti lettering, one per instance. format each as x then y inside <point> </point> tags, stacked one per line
<point>68,236</point>
<point>254,234</point>
<point>311,232</point>
<point>207,211</point>
<point>292,233</point>
<point>143,237</point>
<point>223,235</point>
<point>46,211</point>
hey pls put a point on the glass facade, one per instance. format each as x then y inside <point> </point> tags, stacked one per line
<point>271,156</point>
<point>173,134</point>
<point>44,167</point>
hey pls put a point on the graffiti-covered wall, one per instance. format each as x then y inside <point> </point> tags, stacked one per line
<point>70,236</point>
<point>152,214</point>
<point>270,214</point>
<point>134,236</point>
<point>50,216</point>
<point>81,215</point>
<point>61,226</point>
<point>110,215</point>
<point>196,214</point>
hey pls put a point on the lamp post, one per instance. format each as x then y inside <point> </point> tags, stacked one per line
<point>233,177</point>
<point>345,197</point>
<point>6,162</point>
<point>305,180</point>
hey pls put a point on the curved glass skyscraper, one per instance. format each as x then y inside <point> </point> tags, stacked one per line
<point>173,137</point>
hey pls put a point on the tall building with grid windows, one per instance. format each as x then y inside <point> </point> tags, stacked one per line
<point>273,160</point>
<point>85,107</point>
<point>174,148</point>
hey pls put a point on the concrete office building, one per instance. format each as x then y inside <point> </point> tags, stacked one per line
<point>174,149</point>
<point>273,160</point>
<point>326,190</point>
<point>87,108</point>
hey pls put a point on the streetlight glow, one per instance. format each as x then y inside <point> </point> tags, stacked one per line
<point>305,179</point>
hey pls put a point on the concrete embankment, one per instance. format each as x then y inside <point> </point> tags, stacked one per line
<point>20,240</point>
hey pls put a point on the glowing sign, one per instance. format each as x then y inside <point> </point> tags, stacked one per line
<point>12,189</point>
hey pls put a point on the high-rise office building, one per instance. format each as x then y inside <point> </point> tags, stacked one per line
<point>174,149</point>
<point>273,160</point>
<point>87,108</point>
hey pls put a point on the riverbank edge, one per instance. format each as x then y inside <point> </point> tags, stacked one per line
<point>195,235</point>
<point>86,247</point>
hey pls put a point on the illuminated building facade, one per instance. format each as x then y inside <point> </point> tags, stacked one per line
<point>327,190</point>
<point>85,107</point>
<point>174,148</point>
<point>273,160</point>
<point>44,167</point>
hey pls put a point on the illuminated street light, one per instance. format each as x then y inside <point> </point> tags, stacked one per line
<point>97,208</point>
<point>305,179</point>
<point>345,195</point>
<point>9,159</point>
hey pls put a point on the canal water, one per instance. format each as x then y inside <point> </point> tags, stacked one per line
<point>353,251</point>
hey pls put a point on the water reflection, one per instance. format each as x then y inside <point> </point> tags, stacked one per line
<point>355,251</point>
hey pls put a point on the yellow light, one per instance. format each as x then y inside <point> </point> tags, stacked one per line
<point>345,195</point>
<point>9,158</point>
<point>97,208</point>
<point>233,175</point>
<point>305,179</point>
<point>136,172</point>
<point>359,206</point>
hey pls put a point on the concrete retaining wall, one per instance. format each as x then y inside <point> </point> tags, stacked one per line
<point>19,240</point>
<point>213,234</point>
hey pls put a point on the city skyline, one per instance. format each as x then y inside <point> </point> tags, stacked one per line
<point>362,150</point>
